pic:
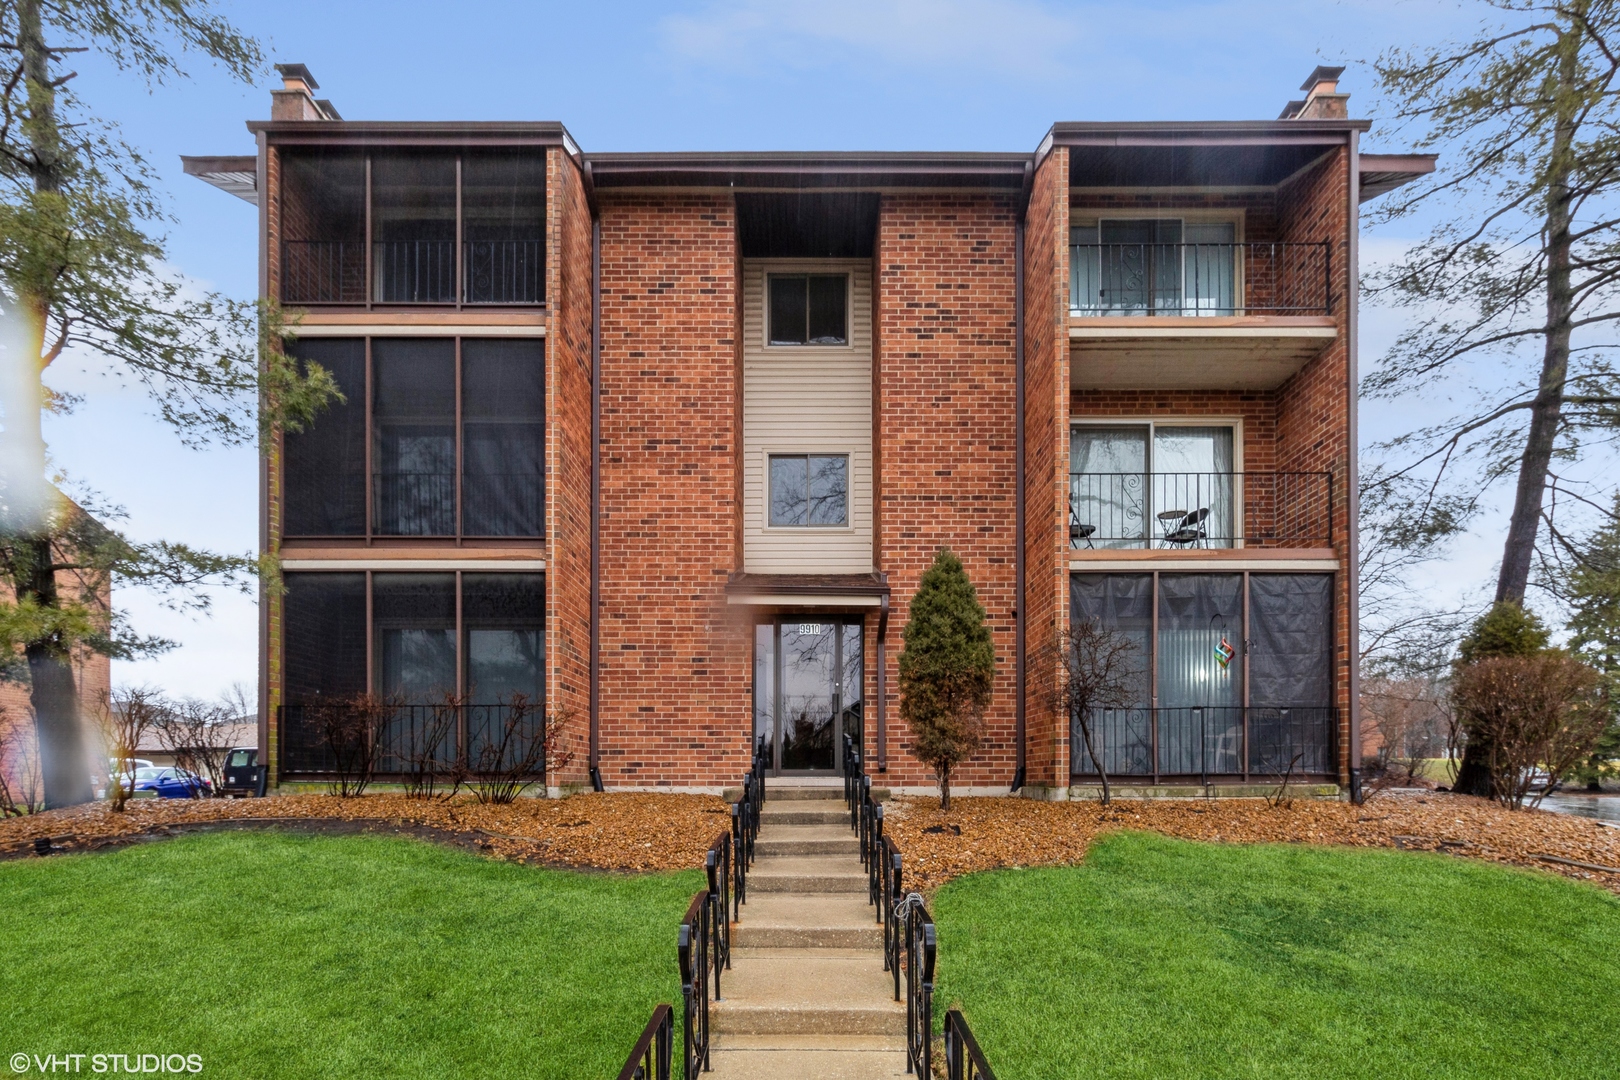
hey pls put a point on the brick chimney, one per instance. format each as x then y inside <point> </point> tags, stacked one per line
<point>294,101</point>
<point>1322,98</point>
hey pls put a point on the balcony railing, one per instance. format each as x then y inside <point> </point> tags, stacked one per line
<point>412,272</point>
<point>1254,278</point>
<point>1200,510</point>
<point>1252,741</point>
<point>407,738</point>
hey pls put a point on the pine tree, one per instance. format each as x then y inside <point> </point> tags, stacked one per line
<point>946,670</point>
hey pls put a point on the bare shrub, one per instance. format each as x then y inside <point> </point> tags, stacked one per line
<point>1101,670</point>
<point>431,766</point>
<point>511,752</point>
<point>559,751</point>
<point>1539,713</point>
<point>1404,723</point>
<point>124,717</point>
<point>351,730</point>
<point>193,732</point>
<point>20,791</point>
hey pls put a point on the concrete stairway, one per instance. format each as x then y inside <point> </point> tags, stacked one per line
<point>807,996</point>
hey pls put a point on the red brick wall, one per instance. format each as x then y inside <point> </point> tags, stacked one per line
<point>568,456</point>
<point>1046,450</point>
<point>946,376</point>
<point>675,670</point>
<point>1313,406</point>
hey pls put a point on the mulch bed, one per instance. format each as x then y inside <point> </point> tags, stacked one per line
<point>628,831</point>
<point>989,833</point>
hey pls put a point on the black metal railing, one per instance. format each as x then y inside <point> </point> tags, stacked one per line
<point>717,864</point>
<point>413,271</point>
<point>1200,510</point>
<point>745,829</point>
<point>919,948</point>
<point>406,738</point>
<point>1252,278</point>
<point>693,947</point>
<point>323,272</point>
<point>963,1058</point>
<point>652,1057</point>
<point>1212,740</point>
<point>503,271</point>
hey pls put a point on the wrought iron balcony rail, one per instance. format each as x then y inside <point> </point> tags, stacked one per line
<point>1200,510</point>
<point>413,272</point>
<point>963,1058</point>
<point>408,738</point>
<point>1250,278</point>
<point>1254,741</point>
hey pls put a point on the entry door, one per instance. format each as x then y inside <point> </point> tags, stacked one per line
<point>807,691</point>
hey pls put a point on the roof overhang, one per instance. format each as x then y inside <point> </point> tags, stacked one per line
<point>1383,173</point>
<point>415,133</point>
<point>810,170</point>
<point>236,175</point>
<point>1216,153</point>
<point>807,590</point>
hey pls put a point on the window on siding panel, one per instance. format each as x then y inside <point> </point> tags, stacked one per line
<point>326,462</point>
<point>414,427</point>
<point>503,437</point>
<point>809,489</point>
<point>809,309</point>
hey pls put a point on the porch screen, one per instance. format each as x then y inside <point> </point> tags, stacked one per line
<point>415,636</point>
<point>323,635</point>
<point>503,619</point>
<point>503,437</point>
<point>1200,660</point>
<point>1290,672</point>
<point>325,464</point>
<point>1122,603</point>
<point>414,427</point>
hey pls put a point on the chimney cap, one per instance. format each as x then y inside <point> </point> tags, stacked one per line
<point>1322,74</point>
<point>328,108</point>
<point>289,72</point>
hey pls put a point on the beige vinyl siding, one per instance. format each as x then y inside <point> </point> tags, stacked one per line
<point>807,399</point>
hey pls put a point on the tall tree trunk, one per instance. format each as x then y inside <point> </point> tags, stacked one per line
<point>1547,411</point>
<point>64,765</point>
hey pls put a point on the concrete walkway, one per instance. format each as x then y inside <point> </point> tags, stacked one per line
<point>807,996</point>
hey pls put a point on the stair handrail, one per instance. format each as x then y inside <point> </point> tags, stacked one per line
<point>717,864</point>
<point>692,946</point>
<point>920,951</point>
<point>963,1058</point>
<point>651,1058</point>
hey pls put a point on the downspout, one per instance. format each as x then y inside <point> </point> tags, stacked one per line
<point>596,480</point>
<point>1352,300</point>
<point>1019,667</point>
<point>882,684</point>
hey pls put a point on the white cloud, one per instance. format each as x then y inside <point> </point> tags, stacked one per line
<point>1015,37</point>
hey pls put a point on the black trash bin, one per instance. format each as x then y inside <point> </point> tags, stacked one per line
<point>245,777</point>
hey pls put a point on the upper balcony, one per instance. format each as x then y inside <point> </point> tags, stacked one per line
<point>412,228</point>
<point>1171,304</point>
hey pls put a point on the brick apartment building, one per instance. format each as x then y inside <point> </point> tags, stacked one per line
<point>1114,375</point>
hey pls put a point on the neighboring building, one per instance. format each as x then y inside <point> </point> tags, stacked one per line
<point>1114,375</point>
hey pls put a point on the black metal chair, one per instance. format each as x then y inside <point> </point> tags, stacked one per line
<point>1190,530</point>
<point>1079,532</point>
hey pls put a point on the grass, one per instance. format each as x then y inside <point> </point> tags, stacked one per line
<point>1161,957</point>
<point>279,954</point>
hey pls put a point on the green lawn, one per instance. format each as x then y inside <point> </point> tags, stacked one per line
<point>286,955</point>
<point>1164,958</point>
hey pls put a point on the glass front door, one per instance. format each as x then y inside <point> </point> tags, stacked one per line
<point>808,678</point>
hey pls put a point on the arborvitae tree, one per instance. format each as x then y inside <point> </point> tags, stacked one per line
<point>1506,630</point>
<point>83,270</point>
<point>946,670</point>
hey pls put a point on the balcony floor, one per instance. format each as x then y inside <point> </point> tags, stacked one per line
<point>1241,352</point>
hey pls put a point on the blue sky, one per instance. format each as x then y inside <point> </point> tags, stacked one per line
<point>707,75</point>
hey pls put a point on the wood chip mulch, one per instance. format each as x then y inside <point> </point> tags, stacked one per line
<point>988,833</point>
<point>617,831</point>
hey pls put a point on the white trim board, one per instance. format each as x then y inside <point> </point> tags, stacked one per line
<point>414,564</point>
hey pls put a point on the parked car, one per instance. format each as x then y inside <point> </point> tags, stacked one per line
<point>170,783</point>
<point>244,775</point>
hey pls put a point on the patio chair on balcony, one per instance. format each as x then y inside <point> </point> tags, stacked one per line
<point>1189,530</point>
<point>1079,532</point>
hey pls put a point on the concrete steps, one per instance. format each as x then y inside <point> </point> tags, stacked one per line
<point>807,996</point>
